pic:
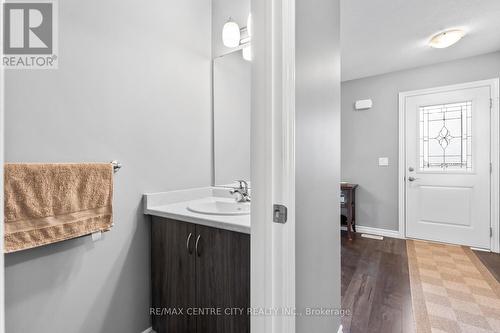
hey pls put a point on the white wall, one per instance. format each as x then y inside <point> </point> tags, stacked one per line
<point>367,135</point>
<point>317,162</point>
<point>133,84</point>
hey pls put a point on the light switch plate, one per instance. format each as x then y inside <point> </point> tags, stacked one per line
<point>383,161</point>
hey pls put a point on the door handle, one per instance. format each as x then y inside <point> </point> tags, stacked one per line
<point>196,246</point>
<point>188,241</point>
<point>412,179</point>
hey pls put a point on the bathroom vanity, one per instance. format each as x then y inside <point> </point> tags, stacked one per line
<point>200,238</point>
<point>200,261</point>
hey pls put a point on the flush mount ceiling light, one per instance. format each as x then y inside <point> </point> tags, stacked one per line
<point>231,34</point>
<point>446,38</point>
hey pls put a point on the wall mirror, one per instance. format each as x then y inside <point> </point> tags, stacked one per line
<point>231,114</point>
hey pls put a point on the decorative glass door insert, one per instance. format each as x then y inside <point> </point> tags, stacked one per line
<point>445,137</point>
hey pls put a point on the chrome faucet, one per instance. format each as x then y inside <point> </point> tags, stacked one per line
<point>241,192</point>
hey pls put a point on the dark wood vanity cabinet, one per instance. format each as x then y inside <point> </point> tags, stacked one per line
<point>173,276</point>
<point>200,278</point>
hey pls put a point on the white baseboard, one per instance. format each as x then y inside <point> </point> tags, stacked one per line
<point>371,236</point>
<point>148,330</point>
<point>376,231</point>
<point>479,249</point>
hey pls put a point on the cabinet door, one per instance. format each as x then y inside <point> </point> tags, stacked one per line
<point>172,275</point>
<point>223,280</point>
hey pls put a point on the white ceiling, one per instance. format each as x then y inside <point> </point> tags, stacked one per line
<point>381,36</point>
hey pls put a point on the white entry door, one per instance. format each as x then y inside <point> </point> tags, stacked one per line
<point>447,135</point>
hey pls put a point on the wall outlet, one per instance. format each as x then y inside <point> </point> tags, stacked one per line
<point>383,161</point>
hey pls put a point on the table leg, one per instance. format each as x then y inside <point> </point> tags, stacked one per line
<point>349,222</point>
<point>353,218</point>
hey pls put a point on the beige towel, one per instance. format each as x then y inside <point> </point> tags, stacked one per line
<point>48,203</point>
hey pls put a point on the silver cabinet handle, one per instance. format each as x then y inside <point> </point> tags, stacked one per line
<point>196,246</point>
<point>412,179</point>
<point>187,243</point>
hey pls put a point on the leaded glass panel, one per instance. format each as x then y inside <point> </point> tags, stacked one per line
<point>446,137</point>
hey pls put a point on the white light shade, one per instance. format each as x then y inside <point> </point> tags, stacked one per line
<point>446,38</point>
<point>249,25</point>
<point>231,34</point>
<point>247,52</point>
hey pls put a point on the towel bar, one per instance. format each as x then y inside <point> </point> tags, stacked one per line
<point>116,166</point>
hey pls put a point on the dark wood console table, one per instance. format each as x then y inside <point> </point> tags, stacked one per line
<point>348,201</point>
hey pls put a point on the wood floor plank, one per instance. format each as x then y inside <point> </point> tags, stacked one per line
<point>407,315</point>
<point>358,297</point>
<point>386,314</point>
<point>375,286</point>
<point>491,261</point>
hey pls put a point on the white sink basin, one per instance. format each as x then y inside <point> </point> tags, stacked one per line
<point>219,206</point>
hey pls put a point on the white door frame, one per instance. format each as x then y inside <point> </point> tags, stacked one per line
<point>273,164</point>
<point>493,84</point>
<point>2,101</point>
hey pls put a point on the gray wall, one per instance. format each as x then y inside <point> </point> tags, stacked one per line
<point>368,135</point>
<point>317,162</point>
<point>133,84</point>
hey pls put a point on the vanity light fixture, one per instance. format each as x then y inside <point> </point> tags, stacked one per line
<point>247,52</point>
<point>247,49</point>
<point>231,34</point>
<point>234,36</point>
<point>249,25</point>
<point>446,38</point>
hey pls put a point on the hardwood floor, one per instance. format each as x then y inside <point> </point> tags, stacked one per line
<point>491,261</point>
<point>376,284</point>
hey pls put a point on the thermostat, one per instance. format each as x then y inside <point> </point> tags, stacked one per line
<point>363,104</point>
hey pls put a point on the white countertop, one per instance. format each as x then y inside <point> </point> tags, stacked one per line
<point>174,205</point>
